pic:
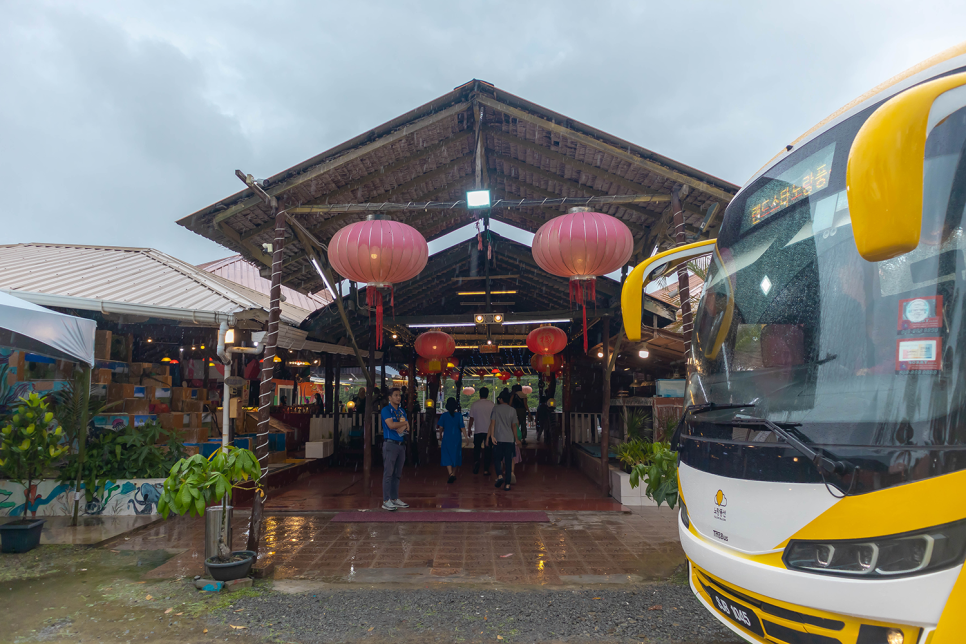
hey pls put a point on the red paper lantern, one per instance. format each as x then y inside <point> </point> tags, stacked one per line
<point>504,377</point>
<point>379,252</point>
<point>546,341</point>
<point>518,373</point>
<point>404,373</point>
<point>435,345</point>
<point>546,367</point>
<point>427,365</point>
<point>583,245</point>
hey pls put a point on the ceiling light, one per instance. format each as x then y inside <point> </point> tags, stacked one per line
<point>643,353</point>
<point>560,321</point>
<point>202,346</point>
<point>478,199</point>
<point>394,336</point>
<point>498,318</point>
<point>479,318</point>
<point>230,336</point>
<point>194,348</point>
<point>484,293</point>
<point>489,341</point>
<point>150,340</point>
<point>437,324</point>
<point>600,354</point>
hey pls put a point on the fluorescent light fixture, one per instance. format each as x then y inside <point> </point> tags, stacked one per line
<point>561,321</point>
<point>438,324</point>
<point>484,293</point>
<point>478,199</point>
<point>324,280</point>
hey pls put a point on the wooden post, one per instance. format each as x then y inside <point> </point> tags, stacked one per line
<point>267,390</point>
<point>605,410</point>
<point>82,389</point>
<point>367,420</point>
<point>328,384</point>
<point>411,411</point>
<point>684,283</point>
<point>336,405</point>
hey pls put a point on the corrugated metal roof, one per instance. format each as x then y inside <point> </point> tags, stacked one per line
<point>669,294</point>
<point>240,271</point>
<point>141,276</point>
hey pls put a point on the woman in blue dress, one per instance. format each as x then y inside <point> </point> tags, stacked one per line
<point>450,426</point>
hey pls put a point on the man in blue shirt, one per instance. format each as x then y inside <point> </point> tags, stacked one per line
<point>395,427</point>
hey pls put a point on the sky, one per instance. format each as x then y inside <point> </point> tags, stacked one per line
<point>119,118</point>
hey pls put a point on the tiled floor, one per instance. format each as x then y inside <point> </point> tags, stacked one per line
<point>576,547</point>
<point>539,487</point>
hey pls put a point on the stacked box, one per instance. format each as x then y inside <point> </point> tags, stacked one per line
<point>102,345</point>
<point>101,376</point>
<point>122,391</point>
<point>171,420</point>
<point>137,406</point>
<point>191,450</point>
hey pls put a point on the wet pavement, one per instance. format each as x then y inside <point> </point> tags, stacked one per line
<point>540,486</point>
<point>573,548</point>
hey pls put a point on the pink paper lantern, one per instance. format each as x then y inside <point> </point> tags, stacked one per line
<point>380,253</point>
<point>527,389</point>
<point>468,391</point>
<point>583,245</point>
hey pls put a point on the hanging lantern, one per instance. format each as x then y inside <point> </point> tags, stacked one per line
<point>527,389</point>
<point>518,373</point>
<point>379,252</point>
<point>546,367</point>
<point>436,347</point>
<point>452,362</point>
<point>582,245</point>
<point>504,377</point>
<point>468,391</point>
<point>404,373</point>
<point>426,366</point>
<point>454,374</point>
<point>546,341</point>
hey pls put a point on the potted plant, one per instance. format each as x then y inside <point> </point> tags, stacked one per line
<point>197,482</point>
<point>30,440</point>
<point>656,464</point>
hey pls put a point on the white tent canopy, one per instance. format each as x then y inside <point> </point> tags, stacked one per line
<point>26,326</point>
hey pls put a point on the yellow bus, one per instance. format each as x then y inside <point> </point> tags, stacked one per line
<point>822,452</point>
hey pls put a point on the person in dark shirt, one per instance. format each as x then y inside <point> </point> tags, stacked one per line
<point>543,420</point>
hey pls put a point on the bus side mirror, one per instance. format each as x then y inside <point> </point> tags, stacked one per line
<point>885,168</point>
<point>632,293</point>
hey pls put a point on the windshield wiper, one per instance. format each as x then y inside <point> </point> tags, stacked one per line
<point>820,461</point>
<point>700,409</point>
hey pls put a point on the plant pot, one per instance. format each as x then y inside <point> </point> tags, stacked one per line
<point>20,537</point>
<point>231,570</point>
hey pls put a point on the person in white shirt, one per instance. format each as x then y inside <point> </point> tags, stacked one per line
<point>479,425</point>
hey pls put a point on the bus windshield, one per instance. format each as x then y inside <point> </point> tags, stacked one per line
<point>861,356</point>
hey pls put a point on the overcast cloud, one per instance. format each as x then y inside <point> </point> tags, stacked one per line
<point>117,119</point>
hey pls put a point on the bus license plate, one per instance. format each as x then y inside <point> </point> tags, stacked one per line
<point>739,614</point>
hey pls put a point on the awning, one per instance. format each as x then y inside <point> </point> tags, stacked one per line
<point>33,328</point>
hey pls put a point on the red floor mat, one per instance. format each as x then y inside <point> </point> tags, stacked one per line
<point>417,516</point>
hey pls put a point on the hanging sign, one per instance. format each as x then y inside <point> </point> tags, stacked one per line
<point>489,348</point>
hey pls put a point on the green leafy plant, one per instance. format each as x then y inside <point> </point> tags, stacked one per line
<point>633,452</point>
<point>197,482</point>
<point>30,440</point>
<point>659,472</point>
<point>144,452</point>
<point>68,408</point>
<point>636,423</point>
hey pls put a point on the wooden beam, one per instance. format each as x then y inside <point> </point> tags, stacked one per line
<point>256,252</point>
<point>627,184</point>
<point>352,155</point>
<point>523,166</point>
<point>590,141</point>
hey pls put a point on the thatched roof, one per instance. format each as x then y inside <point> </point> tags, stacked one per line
<point>433,153</point>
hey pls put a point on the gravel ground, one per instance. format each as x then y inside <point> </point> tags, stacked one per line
<point>664,612</point>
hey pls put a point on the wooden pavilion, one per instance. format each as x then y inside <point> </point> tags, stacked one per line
<point>416,169</point>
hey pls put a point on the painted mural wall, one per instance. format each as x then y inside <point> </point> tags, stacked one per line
<point>53,498</point>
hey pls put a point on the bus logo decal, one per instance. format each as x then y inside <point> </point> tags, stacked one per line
<point>720,501</point>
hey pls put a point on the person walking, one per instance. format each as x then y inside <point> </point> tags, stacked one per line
<point>503,435</point>
<point>395,428</point>
<point>450,426</point>
<point>519,404</point>
<point>480,412</point>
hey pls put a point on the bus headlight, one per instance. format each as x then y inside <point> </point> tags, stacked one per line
<point>904,554</point>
